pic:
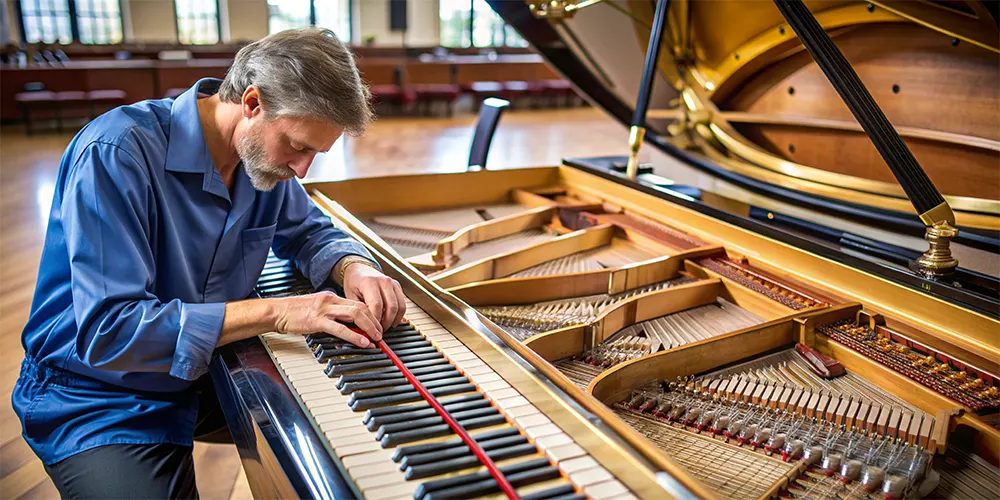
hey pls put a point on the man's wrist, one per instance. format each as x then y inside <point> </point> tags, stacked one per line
<point>340,269</point>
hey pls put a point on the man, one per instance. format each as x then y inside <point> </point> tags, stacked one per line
<point>161,222</point>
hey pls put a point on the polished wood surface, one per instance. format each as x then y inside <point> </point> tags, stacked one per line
<point>918,79</point>
<point>28,168</point>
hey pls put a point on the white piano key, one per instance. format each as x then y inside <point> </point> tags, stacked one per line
<point>565,452</point>
<point>553,441</point>
<point>530,421</point>
<point>591,476</point>
<point>541,431</point>
<point>606,490</point>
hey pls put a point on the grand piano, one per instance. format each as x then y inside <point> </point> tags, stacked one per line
<point>796,296</point>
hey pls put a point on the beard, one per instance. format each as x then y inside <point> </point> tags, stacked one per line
<point>263,173</point>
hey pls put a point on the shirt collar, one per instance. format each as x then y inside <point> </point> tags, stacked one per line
<point>186,149</point>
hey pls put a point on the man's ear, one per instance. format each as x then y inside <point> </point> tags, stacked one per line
<point>251,102</point>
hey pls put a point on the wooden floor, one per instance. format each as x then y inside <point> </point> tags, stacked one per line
<point>28,168</point>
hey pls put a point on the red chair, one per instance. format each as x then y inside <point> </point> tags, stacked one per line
<point>392,95</point>
<point>31,102</point>
<point>433,93</point>
<point>515,90</point>
<point>557,90</point>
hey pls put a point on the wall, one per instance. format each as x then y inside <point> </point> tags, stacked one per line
<point>422,21</point>
<point>154,21</point>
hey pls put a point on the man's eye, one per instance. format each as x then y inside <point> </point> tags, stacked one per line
<point>297,149</point>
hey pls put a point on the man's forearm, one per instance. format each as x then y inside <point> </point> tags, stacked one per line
<point>248,318</point>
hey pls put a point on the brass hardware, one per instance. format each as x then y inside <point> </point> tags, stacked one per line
<point>938,214</point>
<point>938,261</point>
<point>556,11</point>
<point>635,136</point>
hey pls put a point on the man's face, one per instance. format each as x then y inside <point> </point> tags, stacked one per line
<point>277,150</point>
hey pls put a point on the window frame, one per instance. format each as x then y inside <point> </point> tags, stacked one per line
<point>218,25</point>
<point>74,23</point>
<point>470,29</point>
<point>313,16</point>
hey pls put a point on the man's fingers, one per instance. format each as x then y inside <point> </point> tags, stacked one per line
<point>400,303</point>
<point>341,331</point>
<point>358,314</point>
<point>375,302</point>
<point>389,308</point>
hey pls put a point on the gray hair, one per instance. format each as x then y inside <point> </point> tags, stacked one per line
<point>304,72</point>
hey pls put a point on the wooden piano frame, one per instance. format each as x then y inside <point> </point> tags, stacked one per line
<point>841,285</point>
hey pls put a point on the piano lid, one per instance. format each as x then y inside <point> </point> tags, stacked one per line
<point>737,96</point>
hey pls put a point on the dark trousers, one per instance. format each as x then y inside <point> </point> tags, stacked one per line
<point>155,471</point>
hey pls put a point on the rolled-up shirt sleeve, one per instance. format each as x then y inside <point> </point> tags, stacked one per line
<point>307,236</point>
<point>122,325</point>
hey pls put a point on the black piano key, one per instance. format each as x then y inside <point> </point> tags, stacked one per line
<point>426,458</point>
<point>441,484</point>
<point>370,403</point>
<point>459,416</point>
<point>490,485</point>
<point>392,391</point>
<point>391,410</point>
<point>322,354</point>
<point>376,422</point>
<point>396,381</point>
<point>316,341</point>
<point>405,451</point>
<point>336,357</point>
<point>283,276</point>
<point>334,369</point>
<point>457,464</point>
<point>334,342</point>
<point>390,337</point>
<point>390,373</point>
<point>386,364</point>
<point>403,437</point>
<point>552,493</point>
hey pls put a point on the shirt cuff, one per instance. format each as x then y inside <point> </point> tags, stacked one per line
<point>320,267</point>
<point>201,326</point>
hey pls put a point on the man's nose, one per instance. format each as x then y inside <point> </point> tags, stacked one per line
<point>300,166</point>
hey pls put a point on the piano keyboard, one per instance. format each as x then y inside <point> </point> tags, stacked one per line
<point>393,445</point>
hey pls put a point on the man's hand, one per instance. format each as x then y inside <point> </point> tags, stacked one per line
<point>325,312</point>
<point>380,293</point>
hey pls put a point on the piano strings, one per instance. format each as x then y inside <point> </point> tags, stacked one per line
<point>664,332</point>
<point>524,321</point>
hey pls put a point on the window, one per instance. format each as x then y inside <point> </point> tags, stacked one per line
<point>334,15</point>
<point>46,21</point>
<point>331,14</point>
<point>466,23</point>
<point>455,16</point>
<point>99,21</point>
<point>62,21</point>
<point>197,21</point>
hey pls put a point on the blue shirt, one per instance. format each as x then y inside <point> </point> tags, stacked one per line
<point>144,247</point>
